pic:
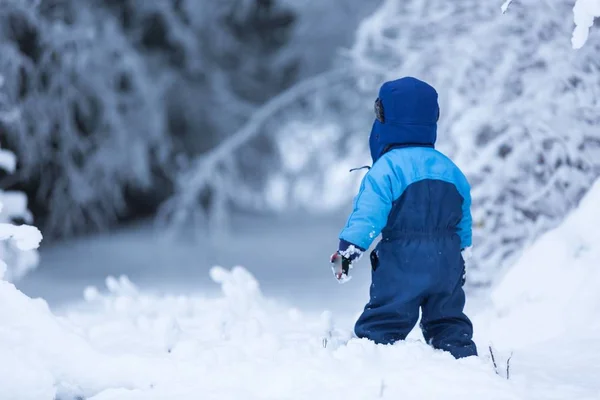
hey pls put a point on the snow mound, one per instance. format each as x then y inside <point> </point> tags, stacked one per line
<point>123,344</point>
<point>552,291</point>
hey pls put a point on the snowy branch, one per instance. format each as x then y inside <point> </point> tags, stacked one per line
<point>217,170</point>
<point>584,13</point>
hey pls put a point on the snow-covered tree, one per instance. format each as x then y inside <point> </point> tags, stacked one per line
<point>222,59</point>
<point>293,153</point>
<point>17,242</point>
<point>517,102</point>
<point>519,115</point>
<point>165,79</point>
<point>88,123</point>
<point>107,91</point>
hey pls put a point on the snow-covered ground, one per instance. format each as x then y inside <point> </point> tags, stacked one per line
<point>238,343</point>
<point>288,256</point>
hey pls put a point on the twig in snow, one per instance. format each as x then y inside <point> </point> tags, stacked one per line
<point>382,388</point>
<point>505,6</point>
<point>493,360</point>
<point>508,366</point>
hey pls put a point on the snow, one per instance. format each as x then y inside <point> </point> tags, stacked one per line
<point>552,291</point>
<point>546,308</point>
<point>584,13</point>
<point>124,343</point>
<point>505,6</point>
<point>25,237</point>
<point>352,252</point>
<point>127,345</point>
<point>8,161</point>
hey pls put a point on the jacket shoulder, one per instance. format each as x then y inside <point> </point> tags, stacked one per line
<point>418,163</point>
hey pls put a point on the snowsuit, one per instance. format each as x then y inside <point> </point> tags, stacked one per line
<point>419,201</point>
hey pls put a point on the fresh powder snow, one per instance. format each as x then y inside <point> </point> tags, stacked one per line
<point>122,343</point>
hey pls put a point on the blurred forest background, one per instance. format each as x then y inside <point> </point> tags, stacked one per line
<point>186,111</point>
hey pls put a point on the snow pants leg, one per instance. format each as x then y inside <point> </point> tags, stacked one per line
<point>444,324</point>
<point>403,282</point>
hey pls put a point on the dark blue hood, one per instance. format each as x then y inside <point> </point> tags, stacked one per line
<point>409,115</point>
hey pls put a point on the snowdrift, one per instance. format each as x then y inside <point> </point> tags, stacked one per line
<point>126,345</point>
<point>123,344</point>
<point>553,290</point>
<point>546,310</point>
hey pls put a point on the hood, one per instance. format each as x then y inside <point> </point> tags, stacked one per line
<point>407,113</point>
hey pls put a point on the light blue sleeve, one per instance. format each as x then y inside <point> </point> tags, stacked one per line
<point>372,206</point>
<point>465,227</point>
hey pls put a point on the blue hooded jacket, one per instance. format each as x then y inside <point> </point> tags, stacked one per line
<point>408,116</point>
<point>412,189</point>
<point>419,202</point>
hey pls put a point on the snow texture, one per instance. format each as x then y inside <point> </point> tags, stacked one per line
<point>124,344</point>
<point>584,12</point>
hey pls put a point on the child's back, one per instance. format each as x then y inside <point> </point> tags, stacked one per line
<point>420,203</point>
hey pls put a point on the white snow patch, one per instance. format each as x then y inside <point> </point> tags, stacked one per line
<point>8,161</point>
<point>352,251</point>
<point>25,237</point>
<point>584,13</point>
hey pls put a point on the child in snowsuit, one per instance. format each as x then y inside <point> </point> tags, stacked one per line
<point>419,201</point>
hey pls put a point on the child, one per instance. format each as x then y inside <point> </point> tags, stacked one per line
<point>420,203</point>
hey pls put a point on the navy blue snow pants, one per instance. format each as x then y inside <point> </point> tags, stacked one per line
<point>414,271</point>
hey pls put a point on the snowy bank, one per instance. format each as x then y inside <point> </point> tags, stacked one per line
<point>552,291</point>
<point>546,309</point>
<point>123,344</point>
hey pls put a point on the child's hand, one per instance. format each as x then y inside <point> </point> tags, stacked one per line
<point>340,267</point>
